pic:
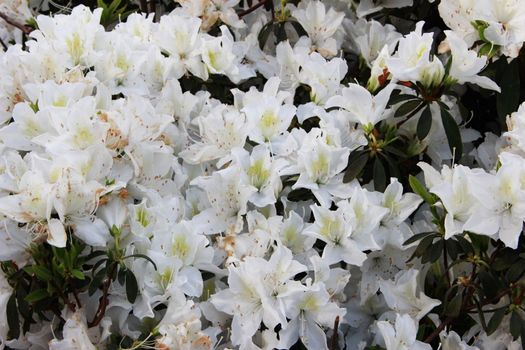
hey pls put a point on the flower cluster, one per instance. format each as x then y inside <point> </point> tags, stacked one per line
<point>248,175</point>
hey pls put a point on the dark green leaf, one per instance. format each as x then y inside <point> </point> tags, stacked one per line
<point>422,247</point>
<point>454,306</point>
<point>122,276</point>
<point>264,33</point>
<point>508,100</point>
<point>97,281</point>
<point>379,175</point>
<point>407,107</point>
<point>516,271</point>
<point>452,248</point>
<point>515,324</point>
<point>495,321</point>
<point>356,164</point>
<point>298,28</point>
<point>395,99</point>
<point>40,272</point>
<point>453,135</point>
<point>436,251</point>
<point>424,123</point>
<point>418,237</point>
<point>481,314</point>
<point>132,288</point>
<point>279,30</point>
<point>465,245</point>
<point>300,194</point>
<point>142,256</point>
<point>419,189</point>
<point>13,320</point>
<point>36,295</point>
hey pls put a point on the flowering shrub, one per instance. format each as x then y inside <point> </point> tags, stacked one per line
<point>217,174</point>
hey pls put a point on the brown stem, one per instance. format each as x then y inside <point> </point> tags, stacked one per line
<point>24,28</point>
<point>3,44</point>
<point>251,9</point>
<point>445,262</point>
<point>438,330</point>
<point>103,303</point>
<point>144,6</point>
<point>152,8</point>
<point>335,337</point>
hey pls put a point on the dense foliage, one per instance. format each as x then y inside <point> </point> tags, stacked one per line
<point>216,174</point>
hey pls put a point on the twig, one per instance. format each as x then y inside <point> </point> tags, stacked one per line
<point>334,343</point>
<point>251,9</point>
<point>3,44</point>
<point>103,303</point>
<point>152,8</point>
<point>438,330</point>
<point>144,6</point>
<point>24,28</point>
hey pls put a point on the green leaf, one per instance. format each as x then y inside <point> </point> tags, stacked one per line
<point>395,99</point>
<point>435,252</point>
<point>142,256</point>
<point>356,164</point>
<point>418,237</point>
<point>419,189</point>
<point>495,321</point>
<point>121,276</point>
<point>407,107</point>
<point>78,274</point>
<point>422,247</point>
<point>454,306</point>
<point>508,100</point>
<point>36,295</point>
<point>452,248</point>
<point>132,288</point>
<point>465,245</point>
<point>379,175</point>
<point>424,123</point>
<point>13,320</point>
<point>97,281</point>
<point>279,30</point>
<point>516,271</point>
<point>300,194</point>
<point>453,135</point>
<point>264,34</point>
<point>515,325</point>
<point>298,28</point>
<point>40,272</point>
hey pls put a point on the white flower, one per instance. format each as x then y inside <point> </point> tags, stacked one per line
<point>310,309</point>
<point>221,130</point>
<point>267,112</point>
<point>5,294</point>
<point>402,336</point>
<point>321,25</point>
<point>466,64</point>
<point>254,293</point>
<point>363,108</point>
<point>223,55</point>
<point>412,56</point>
<point>75,334</point>
<point>502,22</point>
<point>262,171</point>
<point>403,295</point>
<point>452,341</point>
<point>228,196</point>
<point>330,227</point>
<point>320,166</point>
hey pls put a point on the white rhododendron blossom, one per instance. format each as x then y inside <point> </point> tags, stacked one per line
<point>235,174</point>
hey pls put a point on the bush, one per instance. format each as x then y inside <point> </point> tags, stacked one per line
<point>237,174</point>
